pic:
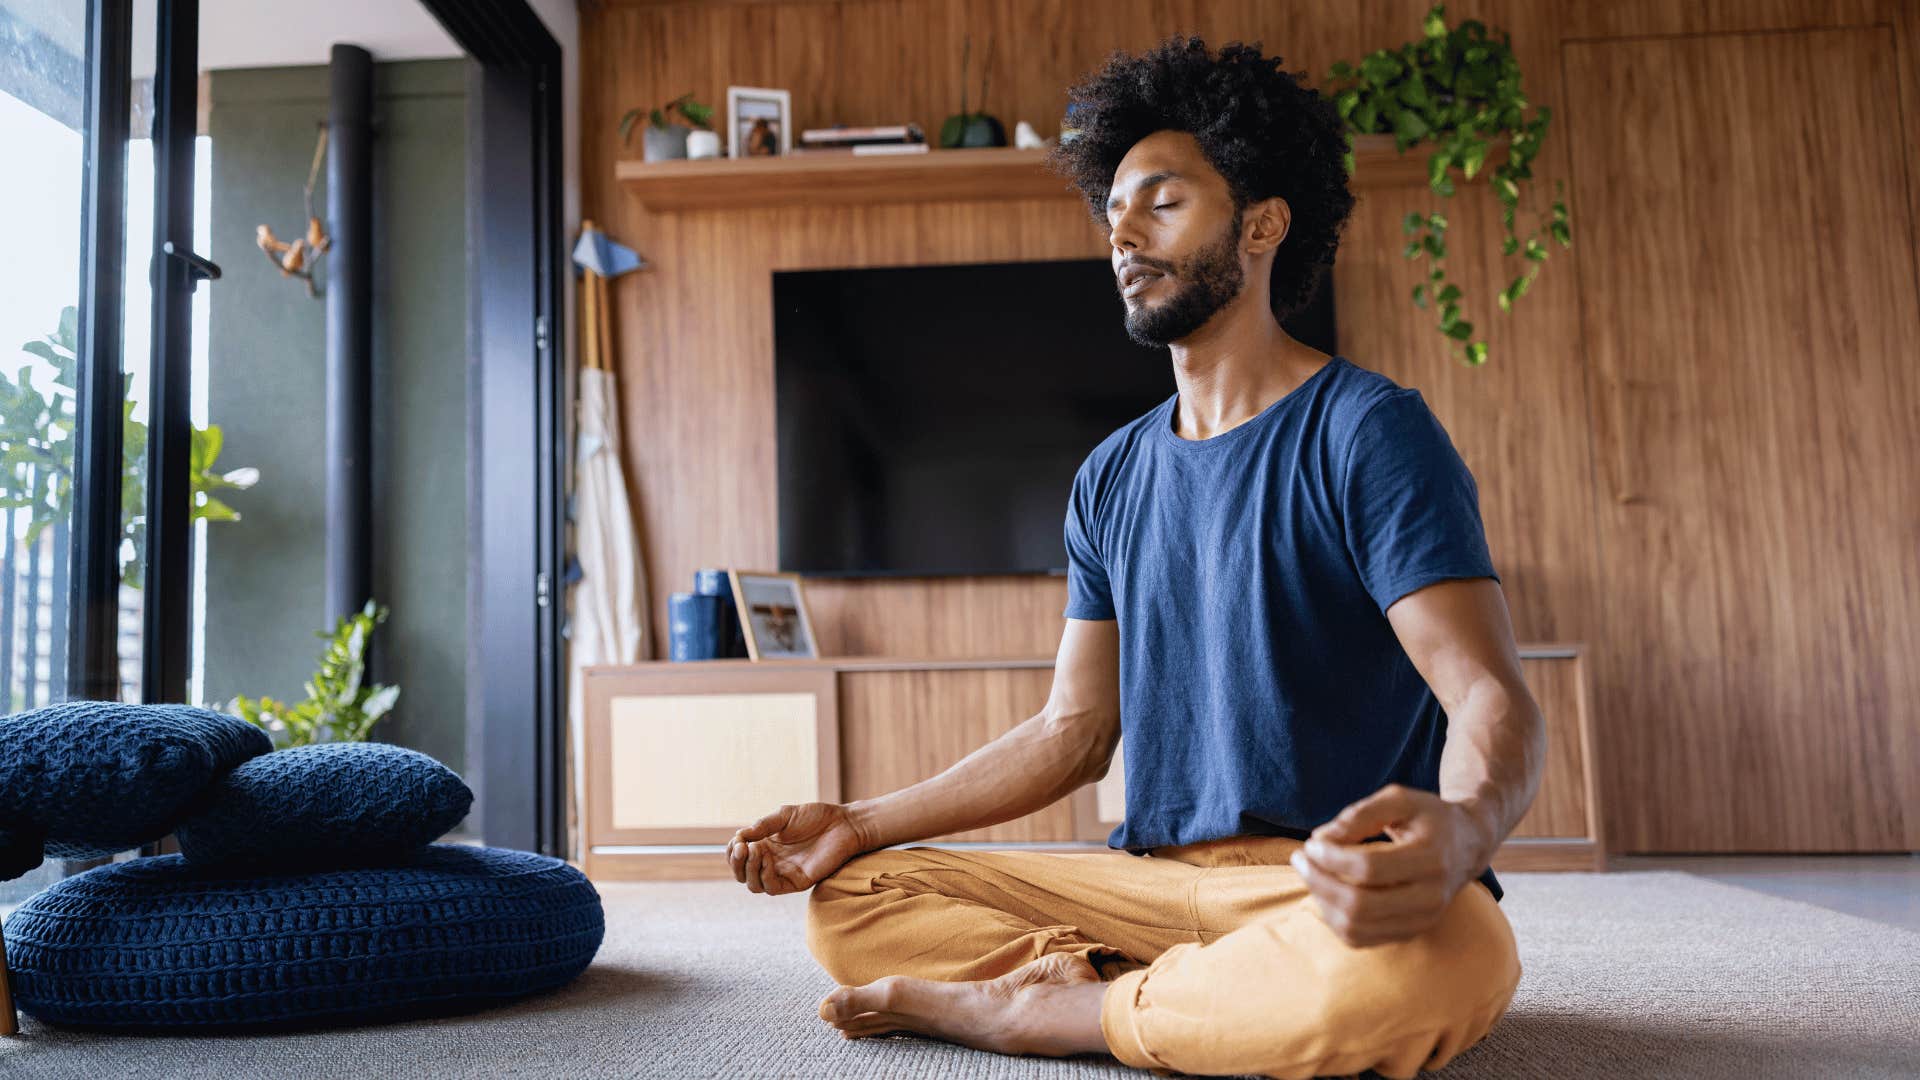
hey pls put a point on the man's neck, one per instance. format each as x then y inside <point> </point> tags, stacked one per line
<point>1231,369</point>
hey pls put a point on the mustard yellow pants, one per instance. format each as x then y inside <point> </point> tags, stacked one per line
<point>1217,959</point>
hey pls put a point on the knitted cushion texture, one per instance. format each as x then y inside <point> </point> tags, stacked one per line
<point>162,944</point>
<point>335,804</point>
<point>90,778</point>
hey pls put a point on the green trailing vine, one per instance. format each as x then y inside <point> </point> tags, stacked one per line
<point>1458,89</point>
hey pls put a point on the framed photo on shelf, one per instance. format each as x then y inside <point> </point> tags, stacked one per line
<point>773,615</point>
<point>759,122</point>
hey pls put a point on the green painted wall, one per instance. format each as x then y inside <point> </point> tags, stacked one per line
<point>265,591</point>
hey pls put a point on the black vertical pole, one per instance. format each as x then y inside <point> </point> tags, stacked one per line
<point>30,662</point>
<point>168,586</point>
<point>349,332</point>
<point>93,599</point>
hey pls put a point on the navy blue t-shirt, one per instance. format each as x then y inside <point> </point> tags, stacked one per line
<point>1262,689</point>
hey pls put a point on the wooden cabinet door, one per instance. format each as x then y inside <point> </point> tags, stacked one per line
<point>1749,309</point>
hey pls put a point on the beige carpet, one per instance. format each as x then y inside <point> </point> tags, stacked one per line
<point>1627,975</point>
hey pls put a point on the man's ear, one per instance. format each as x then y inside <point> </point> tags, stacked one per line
<point>1265,224</point>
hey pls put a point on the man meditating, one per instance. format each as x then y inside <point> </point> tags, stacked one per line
<point>1279,591</point>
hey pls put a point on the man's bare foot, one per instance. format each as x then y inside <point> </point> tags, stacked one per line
<point>1050,1007</point>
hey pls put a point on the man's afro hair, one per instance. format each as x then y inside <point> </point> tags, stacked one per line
<point>1259,127</point>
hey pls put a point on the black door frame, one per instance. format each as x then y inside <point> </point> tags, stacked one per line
<point>516,714</point>
<point>93,597</point>
<point>166,654</point>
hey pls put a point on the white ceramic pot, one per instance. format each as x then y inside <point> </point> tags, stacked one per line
<point>703,144</point>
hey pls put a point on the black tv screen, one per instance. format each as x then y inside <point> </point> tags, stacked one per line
<point>930,418</point>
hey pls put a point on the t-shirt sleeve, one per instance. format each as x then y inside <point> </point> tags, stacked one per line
<point>1412,508</point>
<point>1088,594</point>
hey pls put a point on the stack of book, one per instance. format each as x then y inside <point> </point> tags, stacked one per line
<point>885,139</point>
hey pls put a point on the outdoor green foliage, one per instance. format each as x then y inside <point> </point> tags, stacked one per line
<point>697,115</point>
<point>37,429</point>
<point>1458,89</point>
<point>338,707</point>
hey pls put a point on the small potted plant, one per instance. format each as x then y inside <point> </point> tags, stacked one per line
<point>340,706</point>
<point>664,140</point>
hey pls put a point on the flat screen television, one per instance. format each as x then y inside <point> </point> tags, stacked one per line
<point>930,418</point>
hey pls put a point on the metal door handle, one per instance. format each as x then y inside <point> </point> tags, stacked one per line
<point>199,268</point>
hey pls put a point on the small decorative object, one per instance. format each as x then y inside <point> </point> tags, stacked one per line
<point>1026,138</point>
<point>733,641</point>
<point>1460,90</point>
<point>703,143</point>
<point>664,140</point>
<point>336,804</point>
<point>300,256</point>
<point>694,626</point>
<point>775,616</point>
<point>844,137</point>
<point>338,708</point>
<point>759,122</point>
<point>965,129</point>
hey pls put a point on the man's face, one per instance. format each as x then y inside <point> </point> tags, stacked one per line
<point>1174,235</point>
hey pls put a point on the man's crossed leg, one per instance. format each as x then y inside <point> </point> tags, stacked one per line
<point>1208,959</point>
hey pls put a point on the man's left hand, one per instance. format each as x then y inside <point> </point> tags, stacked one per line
<point>1375,893</point>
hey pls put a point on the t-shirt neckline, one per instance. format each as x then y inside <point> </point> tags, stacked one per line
<point>1172,407</point>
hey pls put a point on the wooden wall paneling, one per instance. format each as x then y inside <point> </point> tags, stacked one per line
<point>1751,333</point>
<point>900,727</point>
<point>1906,736</point>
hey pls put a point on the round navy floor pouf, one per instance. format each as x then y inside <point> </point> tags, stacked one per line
<point>160,944</point>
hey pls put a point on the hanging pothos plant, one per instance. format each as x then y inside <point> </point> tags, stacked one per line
<point>1458,89</point>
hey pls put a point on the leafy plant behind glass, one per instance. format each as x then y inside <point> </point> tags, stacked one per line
<point>338,708</point>
<point>1459,90</point>
<point>36,429</point>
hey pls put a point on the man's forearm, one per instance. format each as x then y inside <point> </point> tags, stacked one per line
<point>1496,749</point>
<point>1016,774</point>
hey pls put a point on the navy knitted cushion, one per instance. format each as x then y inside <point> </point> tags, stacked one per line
<point>160,943</point>
<point>325,805</point>
<point>89,778</point>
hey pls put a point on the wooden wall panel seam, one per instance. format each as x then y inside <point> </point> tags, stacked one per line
<point>1758,31</point>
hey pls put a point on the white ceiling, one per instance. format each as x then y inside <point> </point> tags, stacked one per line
<point>284,33</point>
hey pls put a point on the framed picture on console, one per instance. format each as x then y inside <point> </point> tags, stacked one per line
<point>773,614</point>
<point>759,122</point>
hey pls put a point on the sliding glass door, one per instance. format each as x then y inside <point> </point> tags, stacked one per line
<point>104,451</point>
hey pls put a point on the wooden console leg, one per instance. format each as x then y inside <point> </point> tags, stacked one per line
<point>9,1023</point>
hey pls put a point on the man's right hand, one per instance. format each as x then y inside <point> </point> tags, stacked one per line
<point>794,847</point>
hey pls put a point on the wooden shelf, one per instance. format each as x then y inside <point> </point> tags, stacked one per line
<point>935,176</point>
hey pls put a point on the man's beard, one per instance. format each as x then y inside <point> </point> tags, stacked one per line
<point>1207,281</point>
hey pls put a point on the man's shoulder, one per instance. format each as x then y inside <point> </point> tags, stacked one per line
<point>1356,390</point>
<point>1359,394</point>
